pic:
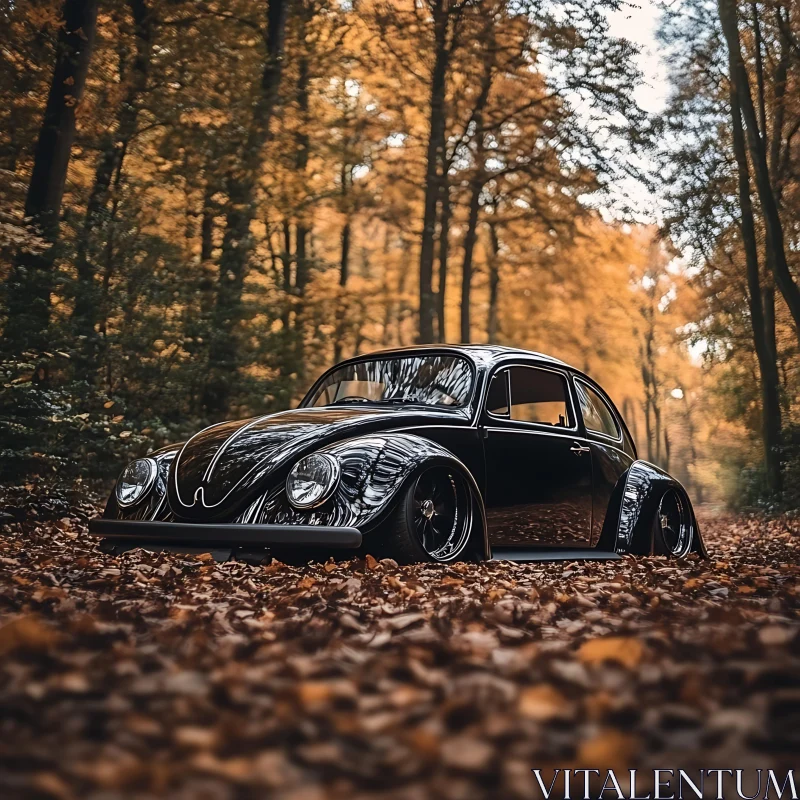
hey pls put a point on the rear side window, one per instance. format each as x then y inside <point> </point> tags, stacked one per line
<point>597,416</point>
<point>538,395</point>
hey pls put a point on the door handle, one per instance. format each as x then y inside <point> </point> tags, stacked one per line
<point>579,449</point>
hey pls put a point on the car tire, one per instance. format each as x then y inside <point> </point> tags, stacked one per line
<point>673,531</point>
<point>434,519</point>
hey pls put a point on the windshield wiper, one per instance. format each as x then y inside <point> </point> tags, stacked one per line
<point>350,399</point>
<point>403,401</point>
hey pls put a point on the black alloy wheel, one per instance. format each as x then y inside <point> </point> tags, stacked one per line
<point>434,520</point>
<point>672,526</point>
<point>442,513</point>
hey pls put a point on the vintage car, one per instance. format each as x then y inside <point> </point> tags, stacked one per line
<point>430,453</point>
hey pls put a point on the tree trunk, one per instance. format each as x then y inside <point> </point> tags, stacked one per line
<point>778,121</point>
<point>31,280</point>
<point>404,311</point>
<point>657,426</point>
<point>84,315</point>
<point>648,429</point>
<point>762,100</point>
<point>764,343</point>
<point>207,223</point>
<point>344,272</point>
<point>104,304</point>
<point>302,266</point>
<point>476,185</point>
<point>691,435</point>
<point>776,251</point>
<point>286,258</point>
<point>444,249</point>
<point>301,282</point>
<point>207,248</point>
<point>436,135</point>
<point>344,261</point>
<point>494,284</point>
<point>242,187</point>
<point>469,248</point>
<point>649,383</point>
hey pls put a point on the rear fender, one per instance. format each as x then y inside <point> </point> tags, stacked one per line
<point>628,527</point>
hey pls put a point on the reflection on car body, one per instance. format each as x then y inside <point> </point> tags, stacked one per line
<point>426,453</point>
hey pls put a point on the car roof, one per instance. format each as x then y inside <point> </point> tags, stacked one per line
<point>478,352</point>
<point>486,355</point>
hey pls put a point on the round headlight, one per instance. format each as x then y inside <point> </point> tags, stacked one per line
<point>136,481</point>
<point>312,480</point>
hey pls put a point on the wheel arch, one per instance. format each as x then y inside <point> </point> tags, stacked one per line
<point>389,463</point>
<point>628,526</point>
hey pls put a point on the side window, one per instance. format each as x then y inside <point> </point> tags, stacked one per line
<point>538,395</point>
<point>597,416</point>
<point>497,397</point>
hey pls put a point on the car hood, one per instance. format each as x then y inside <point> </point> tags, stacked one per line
<point>221,468</point>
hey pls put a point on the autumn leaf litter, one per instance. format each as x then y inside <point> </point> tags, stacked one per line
<point>165,675</point>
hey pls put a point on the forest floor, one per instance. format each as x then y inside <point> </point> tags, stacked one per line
<point>171,676</point>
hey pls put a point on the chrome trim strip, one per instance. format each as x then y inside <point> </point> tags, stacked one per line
<point>469,427</point>
<point>536,432</point>
<point>618,450</point>
<point>177,461</point>
<point>224,446</point>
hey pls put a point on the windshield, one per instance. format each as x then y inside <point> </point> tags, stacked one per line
<point>426,380</point>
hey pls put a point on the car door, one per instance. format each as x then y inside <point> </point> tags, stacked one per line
<point>538,466</point>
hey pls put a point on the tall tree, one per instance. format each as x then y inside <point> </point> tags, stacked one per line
<point>31,281</point>
<point>764,347</point>
<point>476,186</point>
<point>241,188</point>
<point>446,21</point>
<point>109,163</point>
<point>728,225</point>
<point>773,226</point>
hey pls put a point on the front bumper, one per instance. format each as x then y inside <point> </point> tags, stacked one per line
<point>226,535</point>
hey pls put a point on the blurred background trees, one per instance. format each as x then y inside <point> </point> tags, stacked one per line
<point>204,203</point>
<point>730,158</point>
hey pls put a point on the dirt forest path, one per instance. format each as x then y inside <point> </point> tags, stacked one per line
<point>167,676</point>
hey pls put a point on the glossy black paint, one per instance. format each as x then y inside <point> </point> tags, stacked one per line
<point>539,487</point>
<point>218,471</point>
<point>609,465</point>
<point>533,485</point>
<point>643,487</point>
<point>375,468</point>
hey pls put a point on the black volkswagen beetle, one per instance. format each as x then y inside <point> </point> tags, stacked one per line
<point>435,453</point>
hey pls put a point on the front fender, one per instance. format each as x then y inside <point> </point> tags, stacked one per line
<point>376,468</point>
<point>635,500</point>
